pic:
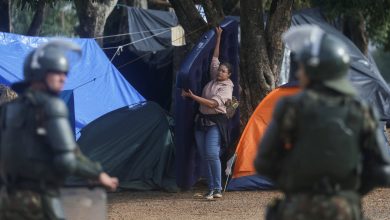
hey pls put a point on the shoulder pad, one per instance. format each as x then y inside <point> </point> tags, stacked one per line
<point>371,116</point>
<point>55,107</point>
<point>367,109</point>
<point>360,102</point>
<point>281,106</point>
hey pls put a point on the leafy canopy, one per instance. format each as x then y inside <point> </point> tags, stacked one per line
<point>375,12</point>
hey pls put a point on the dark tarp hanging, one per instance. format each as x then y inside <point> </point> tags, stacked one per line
<point>134,144</point>
<point>147,64</point>
<point>146,23</point>
<point>151,76</point>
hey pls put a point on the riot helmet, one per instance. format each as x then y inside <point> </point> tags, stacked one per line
<point>50,57</point>
<point>324,57</point>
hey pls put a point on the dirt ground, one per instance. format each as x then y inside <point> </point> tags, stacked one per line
<point>234,205</point>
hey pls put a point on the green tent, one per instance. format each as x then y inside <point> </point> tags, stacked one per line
<point>135,144</point>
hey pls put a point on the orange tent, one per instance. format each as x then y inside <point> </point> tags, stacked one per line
<point>244,174</point>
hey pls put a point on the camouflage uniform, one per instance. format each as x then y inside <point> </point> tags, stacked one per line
<point>38,150</point>
<point>323,148</point>
<point>316,206</point>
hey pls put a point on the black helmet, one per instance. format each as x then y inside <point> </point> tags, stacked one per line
<point>51,56</point>
<point>324,56</point>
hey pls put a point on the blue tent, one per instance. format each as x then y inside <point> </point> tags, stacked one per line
<point>94,86</point>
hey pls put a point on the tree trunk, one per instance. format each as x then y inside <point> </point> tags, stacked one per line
<point>193,24</point>
<point>355,29</point>
<point>256,77</point>
<point>213,11</point>
<point>230,7</point>
<point>117,23</point>
<point>279,21</point>
<point>5,21</point>
<point>37,21</point>
<point>92,16</point>
<point>261,51</point>
<point>163,5</point>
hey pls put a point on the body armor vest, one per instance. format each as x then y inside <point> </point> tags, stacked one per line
<point>323,132</point>
<point>25,152</point>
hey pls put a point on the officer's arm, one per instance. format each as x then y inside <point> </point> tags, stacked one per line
<point>376,160</point>
<point>68,159</point>
<point>270,150</point>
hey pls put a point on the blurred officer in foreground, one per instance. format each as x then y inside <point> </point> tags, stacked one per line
<point>38,150</point>
<point>323,148</point>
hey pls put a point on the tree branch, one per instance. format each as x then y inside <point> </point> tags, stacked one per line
<point>230,5</point>
<point>190,19</point>
<point>213,11</point>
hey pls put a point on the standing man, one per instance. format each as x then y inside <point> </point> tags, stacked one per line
<point>323,148</point>
<point>38,150</point>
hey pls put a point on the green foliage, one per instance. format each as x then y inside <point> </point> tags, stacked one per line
<point>32,4</point>
<point>20,19</point>
<point>375,12</point>
<point>300,4</point>
<point>60,19</point>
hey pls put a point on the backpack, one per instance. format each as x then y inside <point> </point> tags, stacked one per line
<point>231,107</point>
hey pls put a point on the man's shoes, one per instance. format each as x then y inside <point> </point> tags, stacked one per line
<point>217,194</point>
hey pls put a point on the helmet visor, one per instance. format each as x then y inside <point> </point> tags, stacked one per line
<point>304,36</point>
<point>71,53</point>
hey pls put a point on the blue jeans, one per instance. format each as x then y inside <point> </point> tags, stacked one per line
<point>208,142</point>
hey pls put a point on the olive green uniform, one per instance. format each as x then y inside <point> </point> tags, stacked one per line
<point>323,148</point>
<point>316,150</point>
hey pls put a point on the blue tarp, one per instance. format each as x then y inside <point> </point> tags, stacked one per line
<point>95,84</point>
<point>252,182</point>
<point>194,74</point>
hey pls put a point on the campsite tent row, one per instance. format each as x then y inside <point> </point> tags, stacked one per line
<point>96,91</point>
<point>117,127</point>
<point>94,86</point>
